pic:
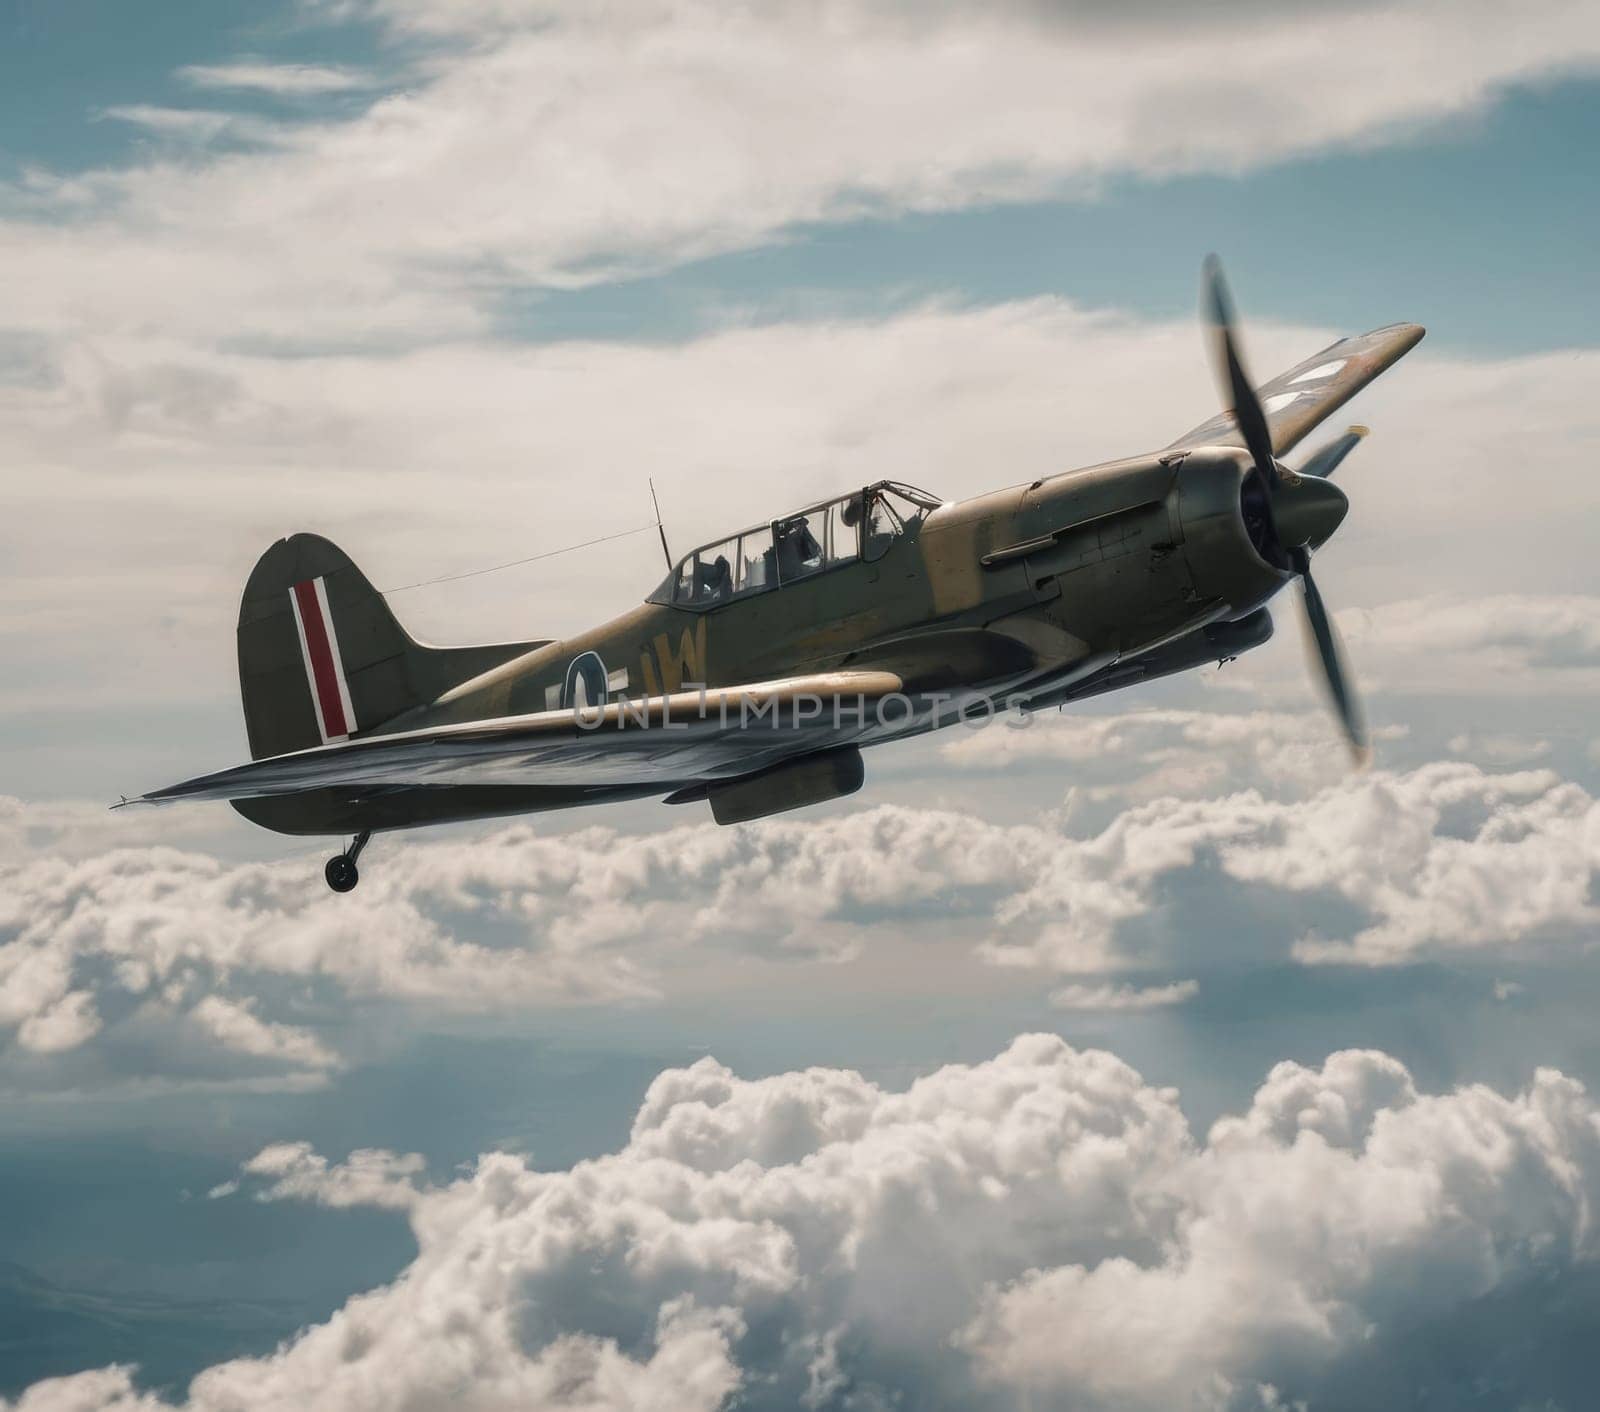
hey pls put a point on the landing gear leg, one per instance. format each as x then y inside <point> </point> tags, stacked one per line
<point>341,869</point>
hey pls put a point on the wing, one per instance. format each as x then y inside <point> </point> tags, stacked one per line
<point>1295,401</point>
<point>661,739</point>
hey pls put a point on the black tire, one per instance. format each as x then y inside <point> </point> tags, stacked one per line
<point>341,872</point>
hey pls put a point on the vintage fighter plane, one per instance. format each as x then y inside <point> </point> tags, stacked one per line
<point>754,674</point>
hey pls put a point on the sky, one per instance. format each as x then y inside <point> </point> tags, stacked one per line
<point>1145,1058</point>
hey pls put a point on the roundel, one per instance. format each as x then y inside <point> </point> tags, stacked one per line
<point>586,682</point>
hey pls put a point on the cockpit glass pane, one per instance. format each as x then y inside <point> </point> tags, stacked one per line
<point>754,566</point>
<point>844,530</point>
<point>814,540</point>
<point>798,541</point>
<point>709,576</point>
<point>881,528</point>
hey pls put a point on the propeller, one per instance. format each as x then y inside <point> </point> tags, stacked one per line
<point>1237,389</point>
<point>1284,511</point>
<point>1330,654</point>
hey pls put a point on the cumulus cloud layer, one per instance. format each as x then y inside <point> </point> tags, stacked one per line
<point>1042,1224</point>
<point>160,935</point>
<point>1165,752</point>
<point>1492,643</point>
<point>1441,858</point>
<point>246,961</point>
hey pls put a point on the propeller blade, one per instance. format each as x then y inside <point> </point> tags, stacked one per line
<point>1331,658</point>
<point>1325,460</point>
<point>1235,383</point>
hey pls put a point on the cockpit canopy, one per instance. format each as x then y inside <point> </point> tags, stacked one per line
<point>859,526</point>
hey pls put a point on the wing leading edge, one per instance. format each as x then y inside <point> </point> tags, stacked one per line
<point>1297,400</point>
<point>666,739</point>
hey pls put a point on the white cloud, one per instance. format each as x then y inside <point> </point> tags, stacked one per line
<point>563,142</point>
<point>1123,997</point>
<point>368,1177</point>
<point>69,828</point>
<point>1499,749</point>
<point>64,1022</point>
<point>280,79</point>
<point>1156,753</point>
<point>1041,1224</point>
<point>1440,858</point>
<point>1490,643</point>
<point>1340,1198</point>
<point>192,124</point>
<point>235,1025</point>
<point>240,952</point>
<point>108,1389</point>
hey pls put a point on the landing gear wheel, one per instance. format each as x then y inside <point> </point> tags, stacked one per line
<point>341,869</point>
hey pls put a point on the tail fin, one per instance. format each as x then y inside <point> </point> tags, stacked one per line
<point>322,658</point>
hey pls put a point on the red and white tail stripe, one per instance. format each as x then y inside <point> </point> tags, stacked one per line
<point>319,648</point>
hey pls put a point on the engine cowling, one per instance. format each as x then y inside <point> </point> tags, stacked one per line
<point>1238,538</point>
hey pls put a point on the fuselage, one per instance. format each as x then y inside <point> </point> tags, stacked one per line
<point>1005,595</point>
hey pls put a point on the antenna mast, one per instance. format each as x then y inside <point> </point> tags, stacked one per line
<point>650,480</point>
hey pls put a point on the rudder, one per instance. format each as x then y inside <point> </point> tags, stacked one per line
<point>322,658</point>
